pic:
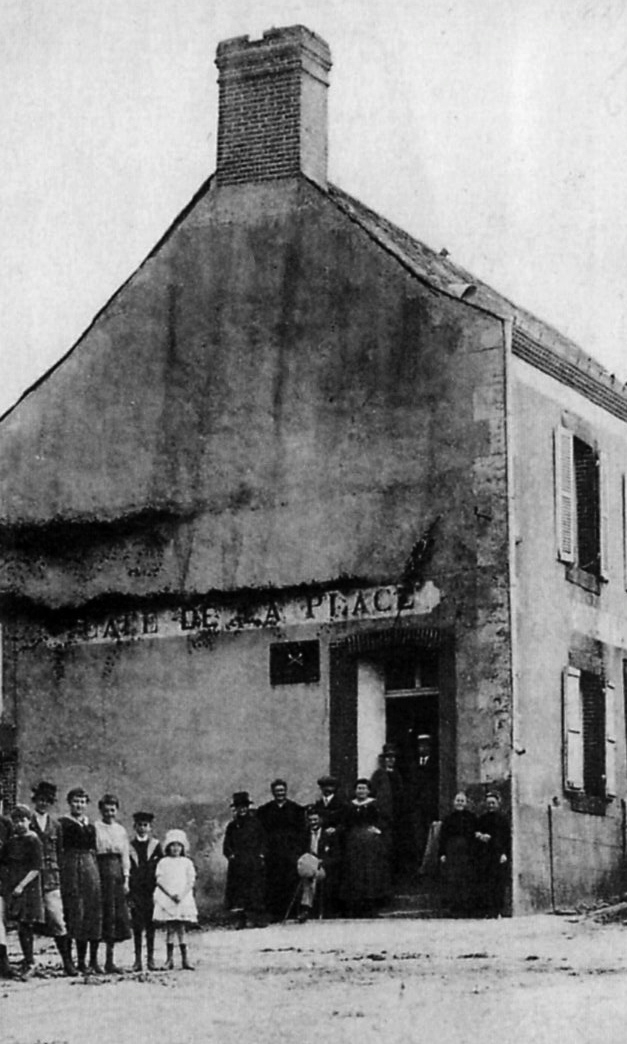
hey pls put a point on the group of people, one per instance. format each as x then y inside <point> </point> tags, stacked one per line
<point>336,857</point>
<point>286,859</point>
<point>474,853</point>
<point>86,883</point>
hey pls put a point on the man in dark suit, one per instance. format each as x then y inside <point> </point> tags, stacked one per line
<point>330,805</point>
<point>388,788</point>
<point>284,824</point>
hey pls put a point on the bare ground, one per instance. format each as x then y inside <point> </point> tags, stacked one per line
<point>532,979</point>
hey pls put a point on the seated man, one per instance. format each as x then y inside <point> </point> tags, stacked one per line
<point>318,869</point>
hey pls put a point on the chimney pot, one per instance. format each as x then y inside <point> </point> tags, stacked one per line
<point>273,106</point>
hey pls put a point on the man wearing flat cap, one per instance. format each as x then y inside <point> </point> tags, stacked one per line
<point>48,829</point>
<point>284,824</point>
<point>245,849</point>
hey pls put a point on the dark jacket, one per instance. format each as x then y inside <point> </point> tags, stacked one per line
<point>52,846</point>
<point>245,848</point>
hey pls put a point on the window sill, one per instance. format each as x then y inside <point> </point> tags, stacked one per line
<point>581,578</point>
<point>586,803</point>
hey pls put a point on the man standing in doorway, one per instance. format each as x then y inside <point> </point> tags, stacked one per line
<point>423,793</point>
<point>284,824</point>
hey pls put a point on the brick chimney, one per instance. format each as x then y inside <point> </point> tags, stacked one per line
<point>273,106</point>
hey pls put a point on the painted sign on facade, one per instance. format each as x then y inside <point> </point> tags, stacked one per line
<point>269,613</point>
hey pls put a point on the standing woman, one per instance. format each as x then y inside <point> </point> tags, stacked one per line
<point>114,865</point>
<point>457,849</point>
<point>366,884</point>
<point>80,880</point>
<point>493,852</point>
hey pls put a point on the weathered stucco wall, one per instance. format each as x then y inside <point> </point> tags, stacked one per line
<point>555,617</point>
<point>273,400</point>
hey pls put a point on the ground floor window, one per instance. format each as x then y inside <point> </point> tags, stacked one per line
<point>589,737</point>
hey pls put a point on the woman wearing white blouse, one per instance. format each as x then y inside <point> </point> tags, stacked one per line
<point>114,864</point>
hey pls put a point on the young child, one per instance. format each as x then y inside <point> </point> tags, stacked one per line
<point>20,867</point>
<point>145,855</point>
<point>174,897</point>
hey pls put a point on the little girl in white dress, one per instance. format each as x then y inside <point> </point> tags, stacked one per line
<point>175,905</point>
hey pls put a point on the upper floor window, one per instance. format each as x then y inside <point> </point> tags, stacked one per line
<point>581,509</point>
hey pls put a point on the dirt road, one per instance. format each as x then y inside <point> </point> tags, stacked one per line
<point>528,980</point>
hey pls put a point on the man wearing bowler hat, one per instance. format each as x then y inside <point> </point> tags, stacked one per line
<point>245,849</point>
<point>48,830</point>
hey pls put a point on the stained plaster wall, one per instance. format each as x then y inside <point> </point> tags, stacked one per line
<point>553,618</point>
<point>272,400</point>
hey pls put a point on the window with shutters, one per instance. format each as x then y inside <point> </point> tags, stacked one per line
<point>581,510</point>
<point>589,740</point>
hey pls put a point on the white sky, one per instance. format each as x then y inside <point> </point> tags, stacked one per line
<point>496,128</point>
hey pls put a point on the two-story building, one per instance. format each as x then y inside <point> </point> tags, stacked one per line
<point>305,486</point>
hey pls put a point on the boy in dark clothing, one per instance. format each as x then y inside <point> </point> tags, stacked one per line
<point>145,853</point>
<point>6,829</point>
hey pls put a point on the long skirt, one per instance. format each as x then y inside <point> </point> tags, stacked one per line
<point>80,888</point>
<point>366,869</point>
<point>115,917</point>
<point>459,875</point>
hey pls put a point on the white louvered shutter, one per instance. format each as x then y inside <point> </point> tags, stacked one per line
<point>610,740</point>
<point>565,506</point>
<point>625,531</point>
<point>573,729</point>
<point>603,516</point>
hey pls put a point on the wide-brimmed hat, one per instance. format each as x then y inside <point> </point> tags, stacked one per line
<point>45,790</point>
<point>389,748</point>
<point>241,799</point>
<point>328,781</point>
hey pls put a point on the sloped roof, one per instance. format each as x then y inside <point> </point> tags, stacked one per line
<point>541,344</point>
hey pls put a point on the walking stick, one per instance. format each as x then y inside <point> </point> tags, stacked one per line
<point>292,901</point>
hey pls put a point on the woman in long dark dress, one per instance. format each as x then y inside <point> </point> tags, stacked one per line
<point>492,857</point>
<point>457,850</point>
<point>80,880</point>
<point>366,883</point>
<point>114,865</point>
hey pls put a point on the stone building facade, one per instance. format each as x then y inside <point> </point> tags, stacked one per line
<point>292,494</point>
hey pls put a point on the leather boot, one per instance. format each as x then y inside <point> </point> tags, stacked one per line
<point>137,941</point>
<point>150,950</point>
<point>94,967</point>
<point>64,946</point>
<point>169,960</point>
<point>6,971</point>
<point>184,959</point>
<point>81,953</point>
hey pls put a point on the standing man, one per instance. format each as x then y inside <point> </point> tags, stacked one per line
<point>388,789</point>
<point>48,830</point>
<point>245,849</point>
<point>423,793</point>
<point>284,824</point>
<point>5,832</point>
<point>330,805</point>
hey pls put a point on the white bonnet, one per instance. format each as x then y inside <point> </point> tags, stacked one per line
<point>176,835</point>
